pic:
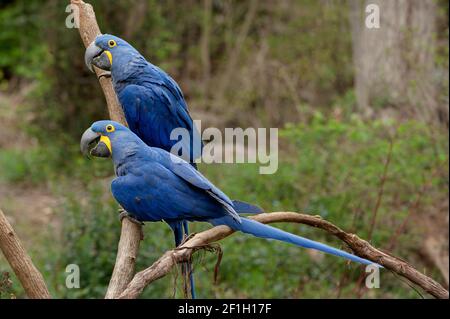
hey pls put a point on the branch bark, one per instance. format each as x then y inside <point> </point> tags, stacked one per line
<point>21,263</point>
<point>359,246</point>
<point>130,236</point>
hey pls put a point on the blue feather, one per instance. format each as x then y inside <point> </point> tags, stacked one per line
<point>246,208</point>
<point>257,229</point>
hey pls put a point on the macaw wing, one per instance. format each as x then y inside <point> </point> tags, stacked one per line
<point>153,113</point>
<point>131,193</point>
<point>161,78</point>
<point>153,192</point>
<point>189,174</point>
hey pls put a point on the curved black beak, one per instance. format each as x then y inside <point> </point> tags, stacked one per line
<point>90,144</point>
<point>95,55</point>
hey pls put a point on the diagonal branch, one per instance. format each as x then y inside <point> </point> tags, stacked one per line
<point>359,246</point>
<point>131,233</point>
<point>21,263</point>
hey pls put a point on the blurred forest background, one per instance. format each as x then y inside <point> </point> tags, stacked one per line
<point>363,118</point>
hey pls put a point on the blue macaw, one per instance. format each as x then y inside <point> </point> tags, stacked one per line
<point>152,102</point>
<point>154,185</point>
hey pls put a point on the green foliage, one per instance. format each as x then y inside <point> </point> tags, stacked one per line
<point>315,43</point>
<point>22,51</point>
<point>90,234</point>
<point>31,165</point>
<point>5,285</point>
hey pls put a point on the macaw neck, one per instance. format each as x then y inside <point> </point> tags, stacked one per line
<point>126,152</point>
<point>127,69</point>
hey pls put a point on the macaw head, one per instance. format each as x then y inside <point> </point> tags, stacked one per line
<point>109,53</point>
<point>105,138</point>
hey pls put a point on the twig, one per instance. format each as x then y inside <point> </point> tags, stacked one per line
<point>359,246</point>
<point>21,263</point>
<point>380,191</point>
<point>131,233</point>
<point>359,287</point>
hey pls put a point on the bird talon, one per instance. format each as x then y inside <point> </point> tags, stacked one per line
<point>105,74</point>
<point>124,214</point>
<point>187,238</point>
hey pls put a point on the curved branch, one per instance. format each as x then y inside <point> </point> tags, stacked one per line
<point>359,246</point>
<point>130,236</point>
<point>21,263</point>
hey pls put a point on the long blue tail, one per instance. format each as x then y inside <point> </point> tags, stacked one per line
<point>258,229</point>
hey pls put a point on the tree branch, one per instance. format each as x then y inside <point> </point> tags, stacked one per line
<point>359,246</point>
<point>130,236</point>
<point>21,263</point>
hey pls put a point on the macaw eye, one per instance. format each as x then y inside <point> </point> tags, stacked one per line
<point>109,128</point>
<point>112,43</point>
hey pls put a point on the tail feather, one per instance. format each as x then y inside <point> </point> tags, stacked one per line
<point>258,229</point>
<point>246,208</point>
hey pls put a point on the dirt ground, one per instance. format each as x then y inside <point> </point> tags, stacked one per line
<point>31,210</point>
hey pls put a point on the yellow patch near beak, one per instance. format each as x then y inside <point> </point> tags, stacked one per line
<point>107,142</point>
<point>109,56</point>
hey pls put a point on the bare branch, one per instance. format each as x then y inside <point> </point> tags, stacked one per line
<point>21,263</point>
<point>131,233</point>
<point>359,246</point>
<point>127,252</point>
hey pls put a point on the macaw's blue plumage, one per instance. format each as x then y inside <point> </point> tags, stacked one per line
<point>152,101</point>
<point>155,185</point>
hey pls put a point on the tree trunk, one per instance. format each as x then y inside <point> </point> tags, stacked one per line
<point>394,64</point>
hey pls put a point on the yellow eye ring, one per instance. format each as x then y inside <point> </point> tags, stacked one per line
<point>112,43</point>
<point>110,128</point>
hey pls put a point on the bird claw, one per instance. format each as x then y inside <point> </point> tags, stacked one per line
<point>105,74</point>
<point>187,238</point>
<point>124,214</point>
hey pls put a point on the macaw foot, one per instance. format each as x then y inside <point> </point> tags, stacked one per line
<point>124,214</point>
<point>106,74</point>
<point>186,238</point>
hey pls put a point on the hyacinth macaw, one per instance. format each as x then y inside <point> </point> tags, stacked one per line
<point>154,185</point>
<point>152,102</point>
